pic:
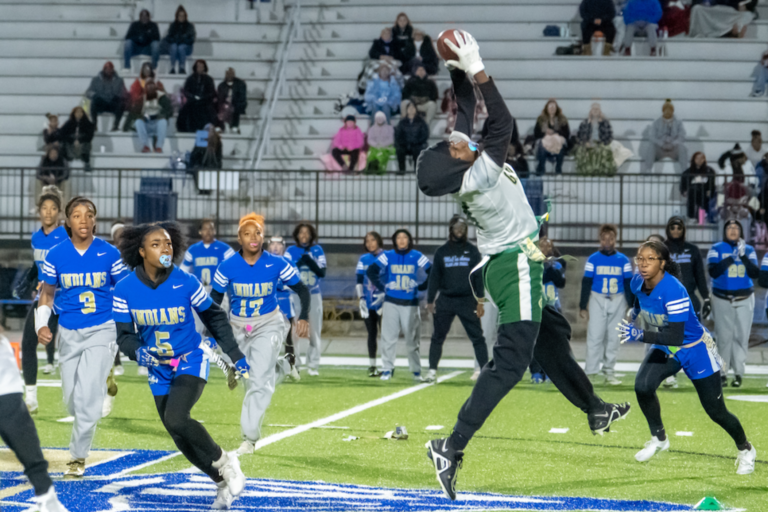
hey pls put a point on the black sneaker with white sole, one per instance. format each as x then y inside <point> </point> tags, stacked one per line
<point>447,462</point>
<point>600,421</point>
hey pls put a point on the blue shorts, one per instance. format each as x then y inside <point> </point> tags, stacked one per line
<point>161,377</point>
<point>284,303</point>
<point>697,362</point>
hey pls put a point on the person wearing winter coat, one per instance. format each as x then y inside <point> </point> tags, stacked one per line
<point>51,132</point>
<point>384,46</point>
<point>107,94</point>
<point>349,140</point>
<point>425,54</point>
<point>233,100</point>
<point>180,41</point>
<point>77,134</point>
<point>641,16</point>
<point>152,118</point>
<point>593,154</point>
<point>692,269</point>
<point>402,34</point>
<point>53,168</point>
<point>136,94</point>
<point>383,93</point>
<point>667,139</point>
<point>597,15</point>
<point>697,185</point>
<point>411,136</point>
<point>381,144</point>
<point>142,38</point>
<point>551,134</point>
<point>422,92</point>
<point>200,93</point>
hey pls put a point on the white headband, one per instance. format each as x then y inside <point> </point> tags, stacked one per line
<point>115,228</point>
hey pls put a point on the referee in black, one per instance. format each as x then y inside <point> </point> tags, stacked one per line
<point>450,276</point>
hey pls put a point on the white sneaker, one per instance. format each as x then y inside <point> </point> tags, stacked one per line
<point>48,369</point>
<point>312,373</point>
<point>746,461</point>
<point>475,375</point>
<point>31,399</point>
<point>49,502</point>
<point>670,382</point>
<point>651,448</point>
<point>386,375</point>
<point>612,381</point>
<point>223,497</point>
<point>246,448</point>
<point>229,468</point>
<point>75,468</point>
<point>106,407</point>
<point>143,371</point>
<point>430,377</point>
<point>119,370</point>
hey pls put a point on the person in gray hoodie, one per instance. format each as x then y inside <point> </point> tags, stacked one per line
<point>107,94</point>
<point>667,139</point>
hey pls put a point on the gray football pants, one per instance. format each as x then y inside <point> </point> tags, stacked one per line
<point>733,322</point>
<point>261,347</point>
<point>85,359</point>
<point>490,323</point>
<point>314,342</point>
<point>396,319</point>
<point>605,314</point>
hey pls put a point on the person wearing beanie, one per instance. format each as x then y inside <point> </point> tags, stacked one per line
<point>450,278</point>
<point>349,140</point>
<point>732,265</point>
<point>399,292</point>
<point>667,139</point>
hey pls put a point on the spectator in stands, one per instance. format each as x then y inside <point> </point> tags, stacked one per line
<point>676,17</point>
<point>51,132</point>
<point>761,76</point>
<point>722,18</point>
<point>641,16</point>
<point>200,109</point>
<point>180,41</point>
<point>425,54</point>
<point>551,133</point>
<point>349,140</point>
<point>755,149</point>
<point>383,47</point>
<point>422,92</point>
<point>597,15</point>
<point>381,144</point>
<point>76,135</point>
<point>761,171</point>
<point>697,185</point>
<point>233,100</point>
<point>402,33</point>
<point>383,93</point>
<point>593,154</point>
<point>143,38</point>
<point>667,139</point>
<point>53,168</point>
<point>735,161</point>
<point>207,153</point>
<point>411,136</point>
<point>107,94</point>
<point>136,94</point>
<point>152,118</point>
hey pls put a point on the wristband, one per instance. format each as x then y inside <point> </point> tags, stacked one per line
<point>42,315</point>
<point>475,68</point>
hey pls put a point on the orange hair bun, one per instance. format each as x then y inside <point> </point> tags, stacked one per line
<point>251,218</point>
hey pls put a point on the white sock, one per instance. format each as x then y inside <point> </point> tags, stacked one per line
<point>32,393</point>
<point>371,361</point>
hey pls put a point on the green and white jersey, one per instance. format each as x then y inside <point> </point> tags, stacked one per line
<point>493,199</point>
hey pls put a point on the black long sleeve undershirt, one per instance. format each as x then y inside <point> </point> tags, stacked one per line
<point>373,273</point>
<point>586,288</point>
<point>763,279</point>
<point>718,269</point>
<point>673,335</point>
<point>217,297</point>
<point>423,286</point>
<point>312,264</point>
<point>753,271</point>
<point>628,295</point>
<point>304,297</point>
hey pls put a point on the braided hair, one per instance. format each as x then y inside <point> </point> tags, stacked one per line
<point>662,251</point>
<point>133,238</point>
<point>72,204</point>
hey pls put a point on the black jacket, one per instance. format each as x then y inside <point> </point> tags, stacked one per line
<point>450,271</point>
<point>405,50</point>
<point>421,87</point>
<point>379,48</point>
<point>53,172</point>
<point>592,10</point>
<point>80,131</point>
<point>413,133</point>
<point>688,256</point>
<point>429,56</point>
<point>181,33</point>
<point>143,33</point>
<point>239,94</point>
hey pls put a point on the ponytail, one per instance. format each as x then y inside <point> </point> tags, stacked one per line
<point>662,251</point>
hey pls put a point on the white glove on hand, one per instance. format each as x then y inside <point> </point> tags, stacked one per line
<point>363,309</point>
<point>378,299</point>
<point>742,247</point>
<point>468,53</point>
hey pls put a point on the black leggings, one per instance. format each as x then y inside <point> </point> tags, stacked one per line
<point>18,432</point>
<point>656,367</point>
<point>29,345</point>
<point>190,436</point>
<point>289,349</point>
<point>446,309</point>
<point>372,324</point>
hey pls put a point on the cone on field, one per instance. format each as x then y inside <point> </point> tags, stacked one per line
<point>709,503</point>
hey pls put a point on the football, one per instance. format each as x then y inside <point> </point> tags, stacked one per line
<point>445,52</point>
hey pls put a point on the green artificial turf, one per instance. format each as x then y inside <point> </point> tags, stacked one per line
<point>514,453</point>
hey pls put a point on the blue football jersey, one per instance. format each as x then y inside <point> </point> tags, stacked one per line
<point>86,282</point>
<point>42,243</point>
<point>735,278</point>
<point>309,278</point>
<point>668,302</point>
<point>402,273</point>
<point>253,289</point>
<point>202,260</point>
<point>368,288</point>
<point>163,316</point>
<point>284,295</point>
<point>608,272</point>
<point>551,292</point>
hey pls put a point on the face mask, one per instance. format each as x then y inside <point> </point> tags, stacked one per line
<point>166,261</point>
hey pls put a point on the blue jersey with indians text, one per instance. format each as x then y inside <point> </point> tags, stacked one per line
<point>85,281</point>
<point>608,272</point>
<point>42,243</point>
<point>668,302</point>
<point>368,288</point>
<point>202,260</point>
<point>309,278</point>
<point>401,274</point>
<point>735,278</point>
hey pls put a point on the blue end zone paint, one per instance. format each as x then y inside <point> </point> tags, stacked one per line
<point>104,489</point>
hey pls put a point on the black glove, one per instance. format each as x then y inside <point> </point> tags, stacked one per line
<point>706,309</point>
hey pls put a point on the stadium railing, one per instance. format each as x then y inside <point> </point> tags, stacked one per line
<point>346,207</point>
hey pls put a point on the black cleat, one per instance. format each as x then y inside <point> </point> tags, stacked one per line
<point>600,421</point>
<point>447,462</point>
<point>736,383</point>
<point>373,372</point>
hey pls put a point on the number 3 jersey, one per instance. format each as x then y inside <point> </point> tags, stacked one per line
<point>85,282</point>
<point>253,289</point>
<point>163,316</point>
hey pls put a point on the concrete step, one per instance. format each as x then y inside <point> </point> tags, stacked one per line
<point>81,11</point>
<point>116,29</point>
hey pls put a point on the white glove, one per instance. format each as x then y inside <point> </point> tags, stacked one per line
<point>378,299</point>
<point>742,247</point>
<point>467,51</point>
<point>363,309</point>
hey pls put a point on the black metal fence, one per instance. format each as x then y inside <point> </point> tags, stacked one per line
<point>345,207</point>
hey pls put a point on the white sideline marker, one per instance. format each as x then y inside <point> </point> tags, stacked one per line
<point>684,434</point>
<point>434,427</point>
<point>555,430</point>
<point>68,419</point>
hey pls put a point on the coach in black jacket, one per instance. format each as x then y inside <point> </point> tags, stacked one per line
<point>688,256</point>
<point>450,276</point>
